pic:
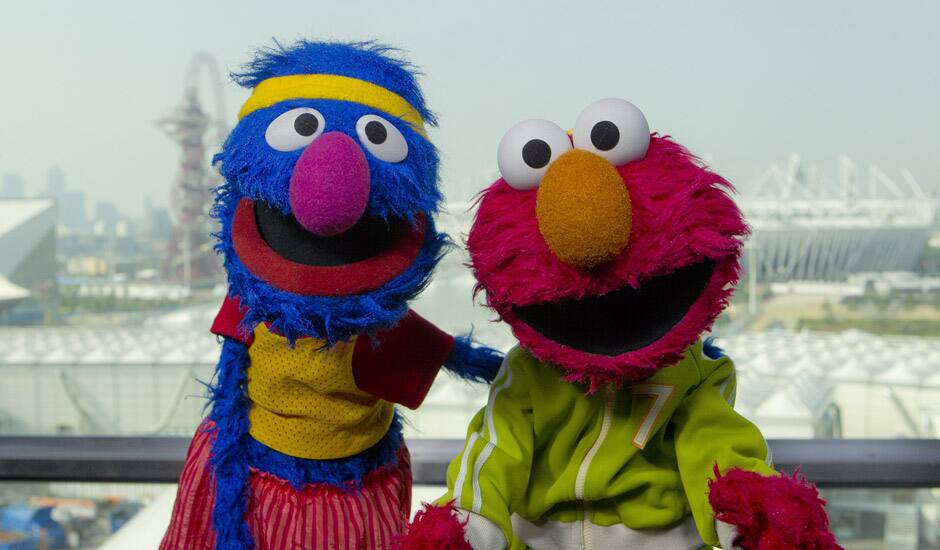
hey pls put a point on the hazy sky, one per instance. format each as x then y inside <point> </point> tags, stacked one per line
<point>746,84</point>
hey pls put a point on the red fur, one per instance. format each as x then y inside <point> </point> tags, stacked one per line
<point>434,528</point>
<point>681,214</point>
<point>771,513</point>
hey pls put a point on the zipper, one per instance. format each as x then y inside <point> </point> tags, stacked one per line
<point>587,537</point>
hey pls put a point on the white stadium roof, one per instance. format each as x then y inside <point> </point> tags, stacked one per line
<point>24,223</point>
<point>16,212</point>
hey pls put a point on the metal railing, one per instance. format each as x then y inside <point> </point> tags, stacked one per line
<point>842,463</point>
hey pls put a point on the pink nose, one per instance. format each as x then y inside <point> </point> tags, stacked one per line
<point>329,189</point>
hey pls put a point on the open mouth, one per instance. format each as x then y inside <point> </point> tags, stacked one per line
<point>284,234</point>
<point>279,251</point>
<point>623,320</point>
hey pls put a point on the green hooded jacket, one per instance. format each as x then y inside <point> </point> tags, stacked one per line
<point>550,466</point>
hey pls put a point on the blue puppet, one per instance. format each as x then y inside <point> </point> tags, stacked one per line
<point>327,231</point>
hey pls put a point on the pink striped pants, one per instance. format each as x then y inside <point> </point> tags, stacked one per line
<point>316,517</point>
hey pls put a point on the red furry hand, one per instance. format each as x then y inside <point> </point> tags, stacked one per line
<point>434,528</point>
<point>771,513</point>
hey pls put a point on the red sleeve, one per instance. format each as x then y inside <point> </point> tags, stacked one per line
<point>404,361</point>
<point>228,320</point>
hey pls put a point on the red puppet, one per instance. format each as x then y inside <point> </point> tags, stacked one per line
<point>609,252</point>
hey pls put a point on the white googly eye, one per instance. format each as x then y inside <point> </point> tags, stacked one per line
<point>614,129</point>
<point>527,149</point>
<point>382,138</point>
<point>294,129</point>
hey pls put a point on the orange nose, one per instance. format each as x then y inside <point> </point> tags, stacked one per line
<point>583,209</point>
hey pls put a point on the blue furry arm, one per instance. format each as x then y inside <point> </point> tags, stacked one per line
<point>229,463</point>
<point>473,361</point>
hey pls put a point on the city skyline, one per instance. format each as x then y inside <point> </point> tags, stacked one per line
<point>76,210</point>
<point>741,84</point>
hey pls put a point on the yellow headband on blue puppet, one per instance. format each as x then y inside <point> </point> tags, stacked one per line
<point>329,86</point>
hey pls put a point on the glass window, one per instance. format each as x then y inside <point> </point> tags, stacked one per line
<point>824,119</point>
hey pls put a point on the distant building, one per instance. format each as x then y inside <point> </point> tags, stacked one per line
<point>27,248</point>
<point>105,219</point>
<point>71,201</point>
<point>161,226</point>
<point>807,227</point>
<point>87,266</point>
<point>72,209</point>
<point>157,223</point>
<point>55,181</point>
<point>12,186</point>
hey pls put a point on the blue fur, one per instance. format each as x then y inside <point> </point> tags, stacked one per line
<point>367,61</point>
<point>257,171</point>
<point>345,473</point>
<point>229,463</point>
<point>234,451</point>
<point>472,361</point>
<point>711,350</point>
<point>253,169</point>
<point>333,319</point>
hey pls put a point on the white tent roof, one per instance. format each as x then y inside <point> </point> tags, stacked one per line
<point>850,356</point>
<point>186,340</point>
<point>781,375</point>
<point>10,291</point>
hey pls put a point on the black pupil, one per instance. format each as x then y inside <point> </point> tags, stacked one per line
<point>605,135</point>
<point>306,124</point>
<point>376,132</point>
<point>536,153</point>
